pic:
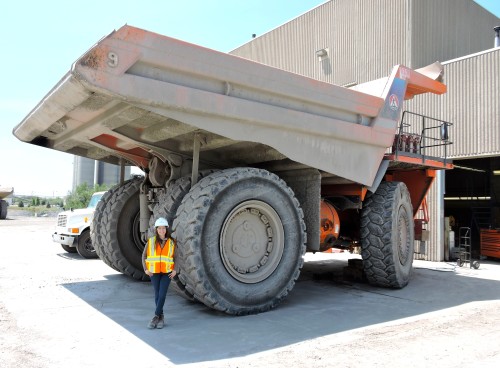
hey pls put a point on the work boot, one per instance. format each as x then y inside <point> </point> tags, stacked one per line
<point>161,321</point>
<point>154,322</point>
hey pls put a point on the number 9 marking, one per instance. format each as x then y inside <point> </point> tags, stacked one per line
<point>112,59</point>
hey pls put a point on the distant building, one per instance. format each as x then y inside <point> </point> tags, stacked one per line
<point>94,172</point>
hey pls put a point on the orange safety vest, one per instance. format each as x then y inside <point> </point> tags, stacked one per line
<point>158,259</point>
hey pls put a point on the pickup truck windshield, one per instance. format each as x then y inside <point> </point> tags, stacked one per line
<point>96,197</point>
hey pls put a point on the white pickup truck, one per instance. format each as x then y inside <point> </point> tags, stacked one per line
<point>73,229</point>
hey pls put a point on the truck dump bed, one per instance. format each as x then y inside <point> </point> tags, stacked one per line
<point>5,192</point>
<point>136,94</point>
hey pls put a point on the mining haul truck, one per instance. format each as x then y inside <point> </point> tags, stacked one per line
<point>251,165</point>
<point>4,205</point>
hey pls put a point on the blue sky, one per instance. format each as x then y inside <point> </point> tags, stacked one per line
<point>40,41</point>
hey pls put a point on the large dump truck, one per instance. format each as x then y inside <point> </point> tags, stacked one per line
<point>252,165</point>
<point>4,205</point>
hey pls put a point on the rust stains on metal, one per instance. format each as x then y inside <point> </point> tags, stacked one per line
<point>93,58</point>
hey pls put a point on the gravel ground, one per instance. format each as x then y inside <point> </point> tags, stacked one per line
<point>57,309</point>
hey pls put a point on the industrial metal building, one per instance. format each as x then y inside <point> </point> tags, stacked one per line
<point>348,42</point>
<point>94,172</point>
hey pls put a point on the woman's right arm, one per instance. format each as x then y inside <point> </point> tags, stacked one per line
<point>146,271</point>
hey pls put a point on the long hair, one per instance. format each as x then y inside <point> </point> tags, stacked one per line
<point>167,235</point>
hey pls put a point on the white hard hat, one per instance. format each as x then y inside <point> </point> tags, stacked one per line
<point>161,222</point>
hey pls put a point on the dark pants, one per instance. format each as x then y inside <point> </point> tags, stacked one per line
<point>160,282</point>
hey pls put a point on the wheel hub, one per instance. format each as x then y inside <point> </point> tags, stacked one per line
<point>88,245</point>
<point>252,241</point>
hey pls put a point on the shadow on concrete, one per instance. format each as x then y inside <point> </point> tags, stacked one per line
<point>322,303</point>
<point>71,256</point>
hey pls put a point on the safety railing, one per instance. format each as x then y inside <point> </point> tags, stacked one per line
<point>422,136</point>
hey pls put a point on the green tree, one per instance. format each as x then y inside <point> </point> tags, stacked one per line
<point>21,204</point>
<point>80,197</point>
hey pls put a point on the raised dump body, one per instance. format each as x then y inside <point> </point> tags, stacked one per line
<point>256,145</point>
<point>5,192</point>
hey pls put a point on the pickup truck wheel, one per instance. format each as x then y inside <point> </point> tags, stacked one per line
<point>120,234</point>
<point>241,240</point>
<point>387,236</point>
<point>68,249</point>
<point>84,246</point>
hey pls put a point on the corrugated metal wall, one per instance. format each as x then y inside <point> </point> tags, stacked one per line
<point>472,104</point>
<point>360,48</point>
<point>435,245</point>
<point>447,29</point>
<point>366,38</point>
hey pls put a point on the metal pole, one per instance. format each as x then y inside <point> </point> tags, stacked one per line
<point>196,159</point>
<point>96,172</point>
<point>122,171</point>
<point>440,233</point>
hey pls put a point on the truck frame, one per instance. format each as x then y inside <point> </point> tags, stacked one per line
<point>251,165</point>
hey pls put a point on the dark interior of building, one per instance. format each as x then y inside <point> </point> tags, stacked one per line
<point>472,197</point>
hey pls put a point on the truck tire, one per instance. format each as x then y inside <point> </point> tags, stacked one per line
<point>167,206</point>
<point>240,240</point>
<point>68,249</point>
<point>84,246</point>
<point>3,209</point>
<point>170,200</point>
<point>95,227</point>
<point>387,236</point>
<point>121,242</point>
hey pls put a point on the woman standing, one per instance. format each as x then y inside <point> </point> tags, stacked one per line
<point>158,263</point>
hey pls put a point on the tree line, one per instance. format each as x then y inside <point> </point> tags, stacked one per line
<point>79,198</point>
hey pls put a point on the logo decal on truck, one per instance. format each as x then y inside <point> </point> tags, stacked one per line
<point>393,102</point>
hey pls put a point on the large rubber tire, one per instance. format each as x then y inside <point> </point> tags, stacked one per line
<point>170,200</point>
<point>68,249</point>
<point>96,228</point>
<point>84,246</point>
<point>241,240</point>
<point>120,240</point>
<point>3,209</point>
<point>387,236</point>
<point>167,206</point>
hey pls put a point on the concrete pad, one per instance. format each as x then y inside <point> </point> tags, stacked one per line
<point>59,309</point>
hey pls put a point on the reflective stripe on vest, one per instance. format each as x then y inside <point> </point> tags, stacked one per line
<point>160,260</point>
